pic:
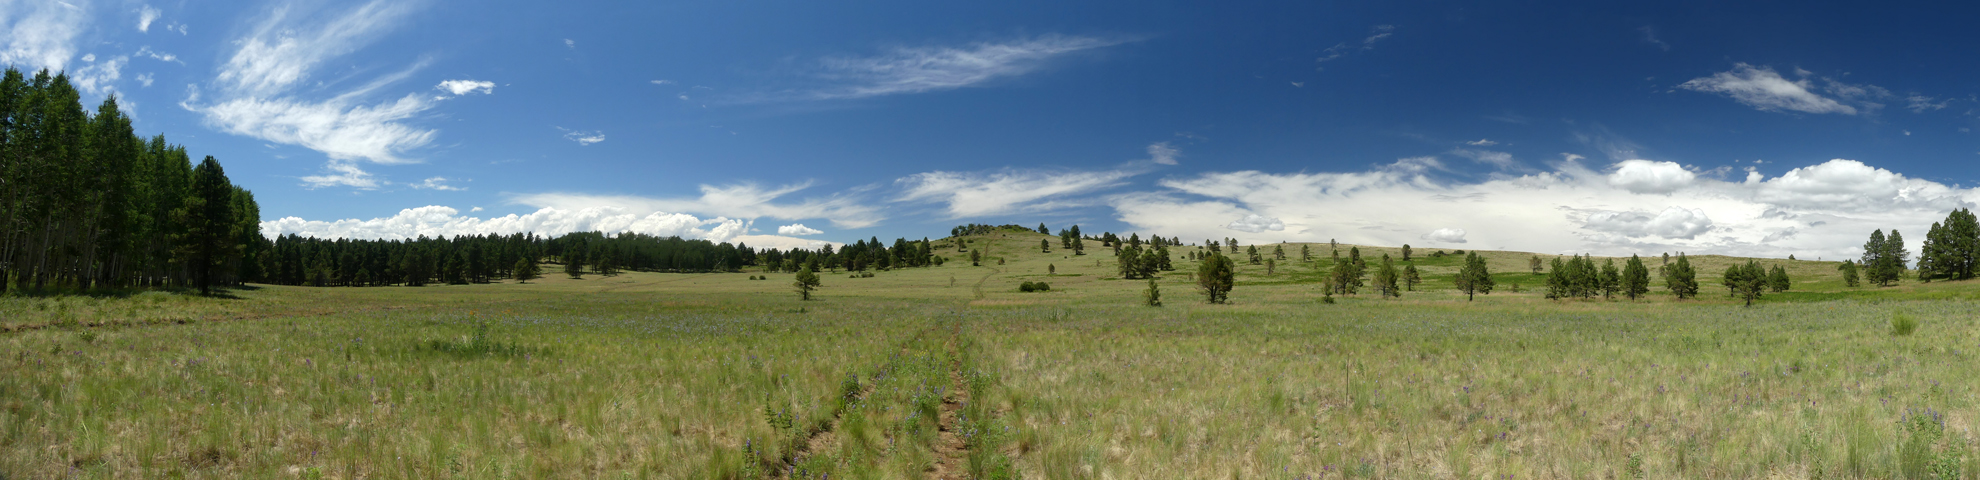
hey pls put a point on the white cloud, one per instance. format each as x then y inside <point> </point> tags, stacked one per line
<point>1763,89</point>
<point>583,138</point>
<point>1921,103</point>
<point>1006,191</point>
<point>1650,37</point>
<point>42,34</point>
<point>1376,34</point>
<point>438,183</point>
<point>437,221</point>
<point>1445,235</point>
<point>1672,223</point>
<point>745,200</point>
<point>1500,160</point>
<point>146,51</point>
<point>1823,210</point>
<point>1482,142</point>
<point>145,79</point>
<point>342,174</point>
<point>1255,223</point>
<point>797,229</point>
<point>96,78</point>
<point>663,82</point>
<point>147,15</point>
<point>925,69</point>
<point>337,127</point>
<point>464,87</point>
<point>281,51</point>
<point>761,242</point>
<point>1162,153</point>
<point>1645,176</point>
<point>572,44</point>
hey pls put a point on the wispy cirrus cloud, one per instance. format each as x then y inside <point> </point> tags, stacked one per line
<point>974,194</point>
<point>1764,89</point>
<point>936,68</point>
<point>848,209</point>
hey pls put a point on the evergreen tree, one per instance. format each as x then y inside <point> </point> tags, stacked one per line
<point>1747,281</point>
<point>1635,278</point>
<point>1534,264</point>
<point>807,280</point>
<point>976,258</point>
<point>1045,246</point>
<point>1271,266</point>
<point>526,270</point>
<point>1042,229</point>
<point>1849,273</point>
<point>1278,252</point>
<point>1611,279</point>
<point>1251,252</point>
<point>573,266</point>
<point>1306,252</point>
<point>1152,296</point>
<point>1558,284</point>
<point>1475,277</point>
<point>1215,276</point>
<point>1385,278</point>
<point>1405,252</point>
<point>1162,258</point>
<point>1778,281</point>
<point>1681,279</point>
<point>1731,279</point>
<point>1952,248</point>
<point>208,219</point>
<point>1411,277</point>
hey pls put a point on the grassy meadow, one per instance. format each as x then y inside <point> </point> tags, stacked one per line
<point>951,372</point>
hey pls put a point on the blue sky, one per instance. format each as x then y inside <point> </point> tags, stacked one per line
<point>1757,129</point>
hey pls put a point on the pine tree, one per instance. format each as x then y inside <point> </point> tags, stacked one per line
<point>573,266</point>
<point>1215,276</point>
<point>1045,246</point>
<point>1251,252</point>
<point>1849,273</point>
<point>1635,278</point>
<point>208,219</point>
<point>807,280</point>
<point>1152,296</point>
<point>1411,277</point>
<point>1405,252</point>
<point>1731,280</point>
<point>1042,229</point>
<point>1279,252</point>
<point>1385,278</point>
<point>1474,278</point>
<point>1271,265</point>
<point>526,270</point>
<point>1534,264</point>
<point>1747,281</point>
<point>1681,279</point>
<point>1559,285</point>
<point>1306,252</point>
<point>1778,281</point>
<point>1611,279</point>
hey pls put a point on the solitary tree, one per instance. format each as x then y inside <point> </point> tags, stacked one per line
<point>1271,266</point>
<point>976,258</point>
<point>1405,252</point>
<point>1681,279</point>
<point>207,219</point>
<point>1279,252</point>
<point>1747,281</point>
<point>1386,277</point>
<point>1251,252</point>
<point>1850,276</point>
<point>1045,246</point>
<point>1474,278</point>
<point>1042,229</point>
<point>1051,269</point>
<point>806,282</point>
<point>1152,296</point>
<point>1534,264</point>
<point>1216,276</point>
<point>1306,252</point>
<point>1411,277</point>
<point>526,270</point>
<point>1635,278</point>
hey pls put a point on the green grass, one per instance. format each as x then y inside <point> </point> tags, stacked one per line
<point>950,371</point>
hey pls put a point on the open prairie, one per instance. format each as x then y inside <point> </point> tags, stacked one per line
<point>952,372</point>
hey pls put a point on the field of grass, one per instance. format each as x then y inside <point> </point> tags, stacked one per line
<point>950,372</point>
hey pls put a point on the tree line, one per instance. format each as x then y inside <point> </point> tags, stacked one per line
<point>87,204</point>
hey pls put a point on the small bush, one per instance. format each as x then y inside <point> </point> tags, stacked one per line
<point>1903,325</point>
<point>1034,287</point>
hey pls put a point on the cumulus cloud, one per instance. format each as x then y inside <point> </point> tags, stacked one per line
<point>583,138</point>
<point>464,87</point>
<point>1163,153</point>
<point>1643,207</point>
<point>926,69</point>
<point>1482,142</point>
<point>1255,223</point>
<point>1645,176</point>
<point>798,229</point>
<point>1673,222</point>
<point>1762,88</point>
<point>435,221</point>
<point>1008,191</point>
<point>97,77</point>
<point>1445,235</point>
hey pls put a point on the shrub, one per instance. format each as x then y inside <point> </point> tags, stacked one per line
<point>1902,325</point>
<point>1034,287</point>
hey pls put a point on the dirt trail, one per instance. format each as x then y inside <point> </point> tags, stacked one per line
<point>951,449</point>
<point>824,439</point>
<point>978,287</point>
